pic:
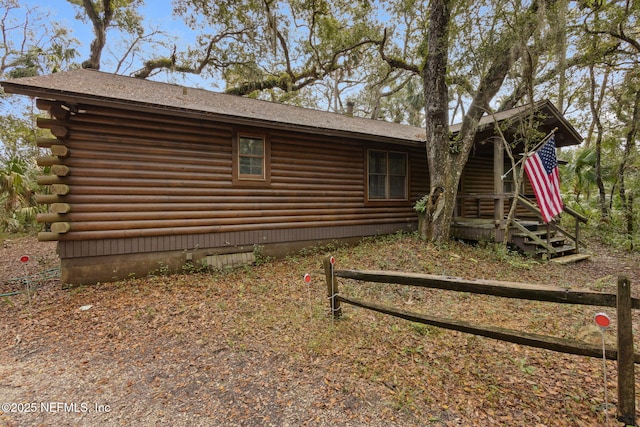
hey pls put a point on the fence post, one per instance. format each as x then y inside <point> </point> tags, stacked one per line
<point>626,379</point>
<point>332,288</point>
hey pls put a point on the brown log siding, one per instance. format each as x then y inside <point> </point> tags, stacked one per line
<point>141,182</point>
<point>477,179</point>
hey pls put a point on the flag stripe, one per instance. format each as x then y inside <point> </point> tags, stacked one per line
<point>542,170</point>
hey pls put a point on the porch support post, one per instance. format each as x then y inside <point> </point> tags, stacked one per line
<point>498,187</point>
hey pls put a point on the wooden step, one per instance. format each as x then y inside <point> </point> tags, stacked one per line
<point>569,259</point>
<point>559,251</point>
<point>534,237</point>
<point>536,232</point>
<point>565,249</point>
<point>553,241</point>
<point>530,225</point>
<point>541,233</point>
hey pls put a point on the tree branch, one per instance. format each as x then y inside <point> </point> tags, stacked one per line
<point>395,62</point>
<point>151,66</point>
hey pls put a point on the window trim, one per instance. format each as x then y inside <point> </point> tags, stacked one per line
<point>387,200</point>
<point>251,180</point>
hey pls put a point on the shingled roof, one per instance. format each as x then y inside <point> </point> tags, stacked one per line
<point>95,87</point>
<point>550,118</point>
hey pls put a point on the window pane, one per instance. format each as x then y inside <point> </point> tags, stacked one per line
<point>251,146</point>
<point>397,164</point>
<point>251,156</point>
<point>387,176</point>
<point>377,184</point>
<point>397,187</point>
<point>377,162</point>
<point>251,166</point>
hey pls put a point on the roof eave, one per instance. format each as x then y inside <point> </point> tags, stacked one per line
<point>59,95</point>
<point>539,105</point>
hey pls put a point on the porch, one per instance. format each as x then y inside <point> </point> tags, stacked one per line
<point>526,232</point>
<point>491,179</point>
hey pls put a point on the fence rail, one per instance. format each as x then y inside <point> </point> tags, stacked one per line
<point>622,300</point>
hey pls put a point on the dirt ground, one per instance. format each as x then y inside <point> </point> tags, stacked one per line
<point>255,346</point>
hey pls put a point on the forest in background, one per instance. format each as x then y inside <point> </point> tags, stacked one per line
<point>380,56</point>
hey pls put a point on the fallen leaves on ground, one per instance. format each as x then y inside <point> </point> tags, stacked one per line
<point>255,346</point>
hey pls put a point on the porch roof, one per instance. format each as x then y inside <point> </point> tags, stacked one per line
<point>550,118</point>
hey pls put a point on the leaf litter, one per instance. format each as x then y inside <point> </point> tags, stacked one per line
<point>255,346</point>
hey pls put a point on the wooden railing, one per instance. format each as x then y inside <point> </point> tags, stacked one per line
<point>553,225</point>
<point>530,206</point>
<point>622,300</point>
<point>479,198</point>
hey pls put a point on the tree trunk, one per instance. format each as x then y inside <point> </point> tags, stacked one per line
<point>602,195</point>
<point>443,179</point>
<point>100,25</point>
<point>446,158</point>
<point>596,108</point>
<point>561,40</point>
<point>627,199</point>
<point>441,203</point>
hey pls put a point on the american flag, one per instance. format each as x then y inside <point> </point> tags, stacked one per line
<point>542,170</point>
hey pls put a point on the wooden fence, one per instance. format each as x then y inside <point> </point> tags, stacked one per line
<point>622,300</point>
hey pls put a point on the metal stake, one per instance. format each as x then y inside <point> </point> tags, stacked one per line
<point>603,321</point>
<point>24,259</point>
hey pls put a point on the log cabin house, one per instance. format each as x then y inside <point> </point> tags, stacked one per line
<point>147,175</point>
